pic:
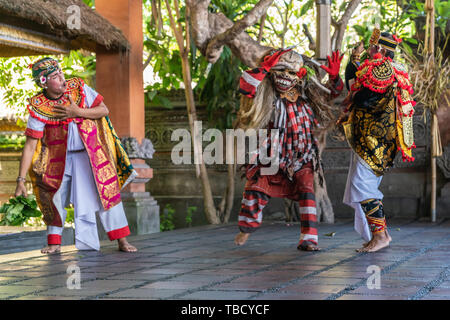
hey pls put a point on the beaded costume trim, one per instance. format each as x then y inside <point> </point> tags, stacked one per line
<point>376,75</point>
<point>42,108</point>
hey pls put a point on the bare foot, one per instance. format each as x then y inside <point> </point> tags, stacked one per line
<point>365,244</point>
<point>378,242</point>
<point>308,246</point>
<point>125,246</point>
<point>387,235</point>
<point>241,238</point>
<point>51,248</point>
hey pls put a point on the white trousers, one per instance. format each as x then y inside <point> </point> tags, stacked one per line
<point>362,184</point>
<point>78,187</point>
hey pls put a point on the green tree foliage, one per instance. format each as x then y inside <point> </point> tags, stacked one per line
<point>14,142</point>
<point>220,89</point>
<point>400,18</point>
<point>214,85</point>
<point>167,218</point>
<point>16,85</point>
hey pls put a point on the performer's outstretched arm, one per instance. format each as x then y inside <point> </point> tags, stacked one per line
<point>335,83</point>
<point>25,162</point>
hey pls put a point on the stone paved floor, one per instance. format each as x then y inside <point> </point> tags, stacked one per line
<point>203,263</point>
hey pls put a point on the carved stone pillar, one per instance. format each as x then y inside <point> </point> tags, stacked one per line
<point>140,207</point>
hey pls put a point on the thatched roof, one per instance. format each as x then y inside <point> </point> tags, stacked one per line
<point>47,19</point>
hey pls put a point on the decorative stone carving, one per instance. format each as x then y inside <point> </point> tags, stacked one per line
<point>135,150</point>
<point>444,162</point>
<point>153,136</point>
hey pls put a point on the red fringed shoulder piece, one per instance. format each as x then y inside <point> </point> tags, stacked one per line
<point>402,77</point>
<point>376,75</point>
<point>405,86</point>
<point>42,108</point>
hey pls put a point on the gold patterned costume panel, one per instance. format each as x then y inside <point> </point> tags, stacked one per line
<point>372,134</point>
<point>377,131</point>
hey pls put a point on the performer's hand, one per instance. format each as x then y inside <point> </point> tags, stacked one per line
<point>334,64</point>
<point>302,72</point>
<point>342,118</point>
<point>21,190</point>
<point>272,60</point>
<point>71,111</point>
<point>357,50</point>
<point>348,100</point>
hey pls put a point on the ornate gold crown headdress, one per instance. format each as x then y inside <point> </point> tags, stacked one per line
<point>384,42</point>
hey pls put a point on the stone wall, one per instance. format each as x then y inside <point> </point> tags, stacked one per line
<point>406,187</point>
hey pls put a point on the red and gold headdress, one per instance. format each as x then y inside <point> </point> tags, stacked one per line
<point>42,68</point>
<point>384,42</point>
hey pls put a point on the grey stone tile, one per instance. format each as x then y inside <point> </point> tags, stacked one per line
<point>146,293</point>
<point>111,284</point>
<point>435,297</point>
<point>13,267</point>
<point>14,290</point>
<point>228,272</point>
<point>245,286</point>
<point>313,288</point>
<point>83,292</point>
<point>186,285</point>
<point>292,296</point>
<point>29,274</point>
<point>440,291</point>
<point>167,271</point>
<point>56,281</point>
<point>218,295</point>
<point>331,281</point>
<point>343,274</point>
<point>138,276</point>
<point>301,267</point>
<point>5,280</point>
<point>390,291</point>
<point>205,264</point>
<point>113,269</point>
<point>38,297</point>
<point>201,278</point>
<point>371,297</point>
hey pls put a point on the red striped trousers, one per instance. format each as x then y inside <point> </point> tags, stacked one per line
<point>253,203</point>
